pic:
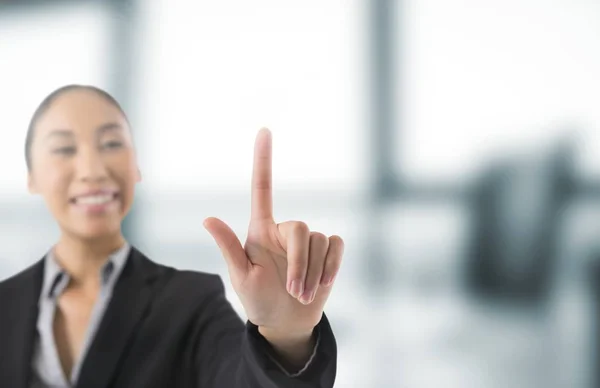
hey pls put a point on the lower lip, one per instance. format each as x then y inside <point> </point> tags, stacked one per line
<point>96,208</point>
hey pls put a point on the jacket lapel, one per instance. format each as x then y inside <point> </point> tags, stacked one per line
<point>129,303</point>
<point>18,325</point>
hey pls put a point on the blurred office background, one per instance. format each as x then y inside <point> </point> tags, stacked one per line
<point>454,144</point>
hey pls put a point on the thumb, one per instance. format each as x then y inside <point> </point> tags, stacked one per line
<point>230,246</point>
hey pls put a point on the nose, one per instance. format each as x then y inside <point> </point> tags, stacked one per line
<point>91,166</point>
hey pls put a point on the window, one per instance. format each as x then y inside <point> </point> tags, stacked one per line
<point>479,78</point>
<point>40,50</point>
<point>216,72</point>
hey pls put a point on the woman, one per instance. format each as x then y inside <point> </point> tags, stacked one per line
<point>96,312</point>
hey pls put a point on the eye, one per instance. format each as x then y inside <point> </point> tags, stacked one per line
<point>112,144</point>
<point>64,150</point>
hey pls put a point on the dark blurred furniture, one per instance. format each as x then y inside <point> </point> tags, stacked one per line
<point>517,207</point>
<point>594,272</point>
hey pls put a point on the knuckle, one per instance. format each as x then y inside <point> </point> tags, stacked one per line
<point>337,240</point>
<point>300,228</point>
<point>263,184</point>
<point>314,272</point>
<point>318,238</point>
<point>333,263</point>
<point>297,270</point>
<point>312,279</point>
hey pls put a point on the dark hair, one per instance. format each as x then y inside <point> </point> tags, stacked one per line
<point>47,102</point>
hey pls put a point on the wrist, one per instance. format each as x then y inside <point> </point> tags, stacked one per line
<point>286,336</point>
<point>292,347</point>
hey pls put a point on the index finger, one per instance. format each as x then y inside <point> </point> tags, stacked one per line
<point>262,198</point>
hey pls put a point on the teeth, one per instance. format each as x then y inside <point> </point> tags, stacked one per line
<point>94,199</point>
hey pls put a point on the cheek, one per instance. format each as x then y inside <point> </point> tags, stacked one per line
<point>54,188</point>
<point>129,186</point>
<point>128,177</point>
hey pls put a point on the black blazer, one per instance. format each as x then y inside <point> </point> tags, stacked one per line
<point>163,328</point>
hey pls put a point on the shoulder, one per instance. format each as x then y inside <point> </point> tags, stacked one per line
<point>196,282</point>
<point>179,295</point>
<point>27,278</point>
<point>182,282</point>
<point>21,291</point>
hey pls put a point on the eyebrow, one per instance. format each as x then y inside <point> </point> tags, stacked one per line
<point>59,133</point>
<point>67,133</point>
<point>112,126</point>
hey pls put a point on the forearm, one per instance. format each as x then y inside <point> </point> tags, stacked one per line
<point>257,364</point>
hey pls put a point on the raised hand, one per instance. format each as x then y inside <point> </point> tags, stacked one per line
<point>284,272</point>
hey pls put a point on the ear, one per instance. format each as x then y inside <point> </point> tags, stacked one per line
<point>31,186</point>
<point>138,177</point>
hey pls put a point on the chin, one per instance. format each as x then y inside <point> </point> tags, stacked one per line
<point>97,230</point>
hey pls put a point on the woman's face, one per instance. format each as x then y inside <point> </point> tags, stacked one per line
<point>83,164</point>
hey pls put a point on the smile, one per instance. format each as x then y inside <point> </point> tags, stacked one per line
<point>97,202</point>
<point>98,199</point>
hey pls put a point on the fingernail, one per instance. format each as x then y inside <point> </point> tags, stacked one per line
<point>328,280</point>
<point>307,297</point>
<point>297,288</point>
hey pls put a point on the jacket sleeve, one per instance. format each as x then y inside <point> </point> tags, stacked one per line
<point>229,353</point>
